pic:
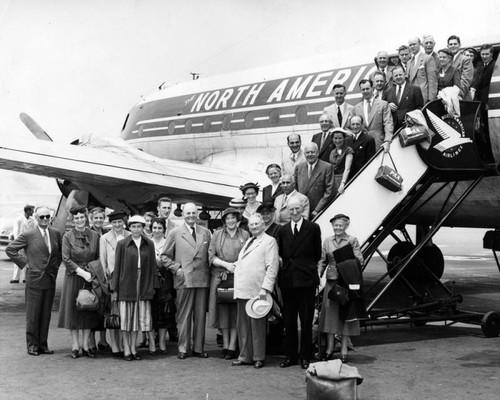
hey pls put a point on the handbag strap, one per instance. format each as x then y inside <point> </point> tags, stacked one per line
<point>392,161</point>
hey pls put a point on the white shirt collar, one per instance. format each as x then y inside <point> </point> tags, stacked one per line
<point>189,227</point>
<point>299,224</point>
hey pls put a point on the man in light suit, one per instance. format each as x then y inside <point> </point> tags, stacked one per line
<point>299,243</point>
<point>254,275</point>
<point>376,114</point>
<point>402,97</point>
<point>315,179</point>
<point>462,64</point>
<point>429,44</point>
<point>42,257</point>
<point>340,112</point>
<point>186,255</point>
<point>324,139</point>
<point>289,160</point>
<point>379,84</point>
<point>282,216</point>
<point>382,63</point>
<point>422,70</point>
<point>22,224</point>
<point>363,146</point>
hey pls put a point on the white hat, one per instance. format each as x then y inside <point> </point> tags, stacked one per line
<point>257,308</point>
<point>137,219</point>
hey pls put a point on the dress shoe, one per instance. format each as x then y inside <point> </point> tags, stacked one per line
<point>33,352</point>
<point>304,364</point>
<point>136,356</point>
<point>14,281</point>
<point>231,355</point>
<point>128,357</point>
<point>88,353</point>
<point>117,354</point>
<point>181,356</point>
<point>344,358</point>
<point>45,351</point>
<point>223,353</point>
<point>200,355</point>
<point>288,363</point>
<point>162,351</point>
<point>103,347</point>
<point>153,352</point>
<point>75,354</point>
<point>238,363</point>
<point>258,364</point>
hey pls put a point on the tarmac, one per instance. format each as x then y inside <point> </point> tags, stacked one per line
<point>435,361</point>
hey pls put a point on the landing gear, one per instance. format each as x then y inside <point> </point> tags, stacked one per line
<point>490,324</point>
<point>430,256</point>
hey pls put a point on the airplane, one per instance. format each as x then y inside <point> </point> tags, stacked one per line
<point>201,139</point>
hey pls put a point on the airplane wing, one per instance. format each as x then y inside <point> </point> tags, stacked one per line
<point>114,169</point>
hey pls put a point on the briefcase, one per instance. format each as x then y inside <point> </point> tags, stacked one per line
<point>326,389</point>
<point>389,177</point>
<point>412,135</point>
<point>225,291</point>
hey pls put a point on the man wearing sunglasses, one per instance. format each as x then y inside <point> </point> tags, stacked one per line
<point>41,257</point>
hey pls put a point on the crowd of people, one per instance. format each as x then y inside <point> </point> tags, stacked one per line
<point>153,276</point>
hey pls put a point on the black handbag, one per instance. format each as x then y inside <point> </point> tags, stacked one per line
<point>225,291</point>
<point>112,320</point>
<point>389,177</point>
<point>328,389</point>
<point>339,294</point>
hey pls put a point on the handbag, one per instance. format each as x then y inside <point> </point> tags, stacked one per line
<point>327,389</point>
<point>339,294</point>
<point>87,300</point>
<point>389,177</point>
<point>112,319</point>
<point>412,135</point>
<point>225,291</point>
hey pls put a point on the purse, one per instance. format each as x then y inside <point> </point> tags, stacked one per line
<point>339,294</point>
<point>225,291</point>
<point>389,177</point>
<point>327,389</point>
<point>112,320</point>
<point>87,300</point>
<point>412,135</point>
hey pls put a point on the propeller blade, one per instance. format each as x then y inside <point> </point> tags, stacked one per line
<point>34,128</point>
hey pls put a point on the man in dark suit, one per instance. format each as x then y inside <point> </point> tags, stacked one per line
<point>362,144</point>
<point>42,257</point>
<point>299,243</point>
<point>314,178</point>
<point>402,97</point>
<point>323,139</point>
<point>480,88</point>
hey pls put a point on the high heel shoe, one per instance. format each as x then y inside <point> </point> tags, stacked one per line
<point>328,356</point>
<point>344,358</point>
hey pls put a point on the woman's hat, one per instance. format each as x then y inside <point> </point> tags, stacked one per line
<point>343,131</point>
<point>238,203</point>
<point>250,185</point>
<point>137,219</point>
<point>266,207</point>
<point>228,211</point>
<point>257,308</point>
<point>446,51</point>
<point>116,215</point>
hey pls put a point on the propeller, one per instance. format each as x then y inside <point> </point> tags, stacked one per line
<point>34,128</point>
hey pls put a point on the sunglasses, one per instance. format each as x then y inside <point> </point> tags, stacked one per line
<point>44,216</point>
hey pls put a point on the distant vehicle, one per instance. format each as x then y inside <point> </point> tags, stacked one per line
<point>7,228</point>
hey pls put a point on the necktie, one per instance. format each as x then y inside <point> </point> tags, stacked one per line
<point>339,116</point>
<point>295,230</point>
<point>250,243</point>
<point>193,233</point>
<point>309,171</point>
<point>398,93</point>
<point>46,239</point>
<point>323,139</point>
<point>293,157</point>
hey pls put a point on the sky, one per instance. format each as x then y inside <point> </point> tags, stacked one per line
<point>77,67</point>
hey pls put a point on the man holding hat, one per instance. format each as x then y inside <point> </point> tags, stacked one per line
<point>299,243</point>
<point>107,252</point>
<point>254,278</point>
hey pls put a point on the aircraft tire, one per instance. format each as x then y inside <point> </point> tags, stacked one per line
<point>396,254</point>
<point>433,259</point>
<point>490,324</point>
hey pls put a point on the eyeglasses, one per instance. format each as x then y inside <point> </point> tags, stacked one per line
<point>44,216</point>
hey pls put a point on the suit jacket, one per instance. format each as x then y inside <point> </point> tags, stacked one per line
<point>288,165</point>
<point>325,150</point>
<point>466,71</point>
<point>256,267</point>
<point>379,125</point>
<point>363,150</point>
<point>422,73</point>
<point>189,259</point>
<point>320,188</point>
<point>411,99</point>
<point>482,78</point>
<point>268,195</point>
<point>300,255</point>
<point>282,216</point>
<point>42,265</point>
<point>347,112</point>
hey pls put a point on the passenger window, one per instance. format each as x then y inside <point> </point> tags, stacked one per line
<point>249,117</point>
